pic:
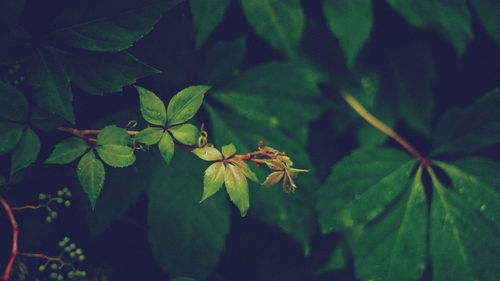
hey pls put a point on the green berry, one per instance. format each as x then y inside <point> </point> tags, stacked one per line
<point>48,219</point>
<point>59,200</point>
<point>83,273</point>
<point>65,189</point>
<point>59,277</point>
<point>22,78</point>
<point>69,194</point>
<point>71,274</point>
<point>78,251</point>
<point>67,249</point>
<point>66,239</point>
<point>42,196</point>
<point>61,244</point>
<point>53,214</point>
<point>72,254</point>
<point>41,268</point>
<point>60,193</point>
<point>17,67</point>
<point>11,71</point>
<point>67,203</point>
<point>81,258</point>
<point>53,266</point>
<point>72,246</point>
<point>53,275</point>
<point>16,82</point>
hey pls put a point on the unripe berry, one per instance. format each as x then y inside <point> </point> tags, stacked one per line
<point>72,254</point>
<point>67,249</point>
<point>83,274</point>
<point>60,193</point>
<point>71,274</point>
<point>53,266</point>
<point>48,219</point>
<point>72,246</point>
<point>69,194</point>
<point>59,200</point>
<point>42,196</point>
<point>66,239</point>
<point>59,277</point>
<point>67,203</point>
<point>41,268</point>
<point>53,275</point>
<point>53,214</point>
<point>78,251</point>
<point>81,258</point>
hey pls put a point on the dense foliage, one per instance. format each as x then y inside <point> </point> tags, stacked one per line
<point>176,126</point>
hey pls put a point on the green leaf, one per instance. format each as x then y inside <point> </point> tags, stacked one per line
<point>152,108</point>
<point>213,179</point>
<point>67,151</point>
<point>100,73</point>
<point>206,16</point>
<point>222,61</point>
<point>26,151</point>
<point>115,32</point>
<point>337,261</point>
<point>244,169</point>
<point>10,134</point>
<point>13,104</point>
<point>118,156</point>
<point>237,188</point>
<point>280,22</point>
<point>487,11</point>
<point>351,22</point>
<point>51,84</point>
<point>184,105</point>
<point>167,147</point>
<point>273,178</point>
<point>451,18</point>
<point>174,212</point>
<point>228,150</point>
<point>470,129</point>
<point>208,153</point>
<point>346,199</point>
<point>149,136</point>
<point>91,175</point>
<point>464,227</point>
<point>394,246</point>
<point>44,120</point>
<point>186,133</point>
<point>112,134</point>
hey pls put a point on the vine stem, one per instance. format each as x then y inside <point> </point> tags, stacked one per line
<point>375,122</point>
<point>15,234</point>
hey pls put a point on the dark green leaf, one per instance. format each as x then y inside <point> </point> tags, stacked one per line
<point>13,104</point>
<point>67,151</point>
<point>167,147</point>
<point>213,179</point>
<point>347,199</point>
<point>279,22</point>
<point>470,129</point>
<point>337,261</point>
<point>187,134</point>
<point>100,73</point>
<point>44,120</point>
<point>26,151</point>
<point>451,18</point>
<point>112,134</point>
<point>149,136</point>
<point>91,175</point>
<point>488,11</point>
<point>206,16</point>
<point>394,247</point>
<point>237,188</point>
<point>10,134</point>
<point>184,105</point>
<point>115,32</point>
<point>351,22</point>
<point>481,168</point>
<point>116,155</point>
<point>228,150</point>
<point>152,108</point>
<point>174,212</point>
<point>222,61</point>
<point>51,83</point>
<point>208,153</point>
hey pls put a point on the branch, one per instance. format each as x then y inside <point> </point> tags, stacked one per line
<point>15,233</point>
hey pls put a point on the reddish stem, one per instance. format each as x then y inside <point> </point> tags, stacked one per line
<point>15,233</point>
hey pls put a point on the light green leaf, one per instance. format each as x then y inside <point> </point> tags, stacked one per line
<point>273,178</point>
<point>280,22</point>
<point>10,134</point>
<point>222,61</point>
<point>451,18</point>
<point>351,22</point>
<point>13,104</point>
<point>228,150</point>
<point>184,105</point>
<point>152,108</point>
<point>91,175</point>
<point>187,134</point>
<point>206,16</point>
<point>118,156</point>
<point>347,199</point>
<point>488,11</point>
<point>394,247</point>
<point>174,212</point>
<point>100,73</point>
<point>51,84</point>
<point>470,129</point>
<point>237,188</point>
<point>67,151</point>
<point>167,147</point>
<point>26,151</point>
<point>213,179</point>
<point>149,136</point>
<point>112,134</point>
<point>208,153</point>
<point>244,169</point>
<point>115,32</point>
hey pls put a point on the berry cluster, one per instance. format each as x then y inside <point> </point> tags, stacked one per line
<point>64,263</point>
<point>14,75</point>
<point>62,197</point>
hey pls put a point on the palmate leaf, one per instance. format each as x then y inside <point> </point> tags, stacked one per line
<point>206,16</point>
<point>67,150</point>
<point>91,173</point>
<point>13,104</point>
<point>184,105</point>
<point>26,151</point>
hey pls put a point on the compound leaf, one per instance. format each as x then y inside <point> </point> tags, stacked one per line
<point>67,151</point>
<point>116,155</point>
<point>184,105</point>
<point>152,107</point>
<point>26,151</point>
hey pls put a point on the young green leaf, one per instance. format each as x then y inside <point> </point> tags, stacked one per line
<point>13,104</point>
<point>90,171</point>
<point>167,147</point>
<point>244,169</point>
<point>280,22</point>
<point>186,133</point>
<point>351,22</point>
<point>208,153</point>
<point>273,178</point>
<point>149,136</point>
<point>184,105</point>
<point>237,188</point>
<point>206,16</point>
<point>10,134</point>
<point>67,151</point>
<point>116,155</point>
<point>228,150</point>
<point>26,151</point>
<point>112,134</point>
<point>152,108</point>
<point>213,179</point>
